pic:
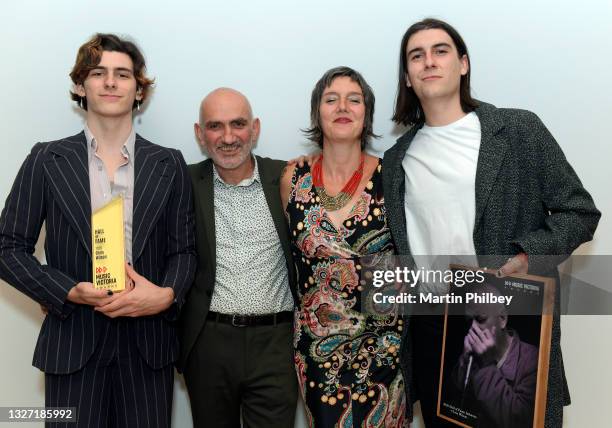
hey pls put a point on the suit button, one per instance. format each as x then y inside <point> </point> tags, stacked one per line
<point>209,293</point>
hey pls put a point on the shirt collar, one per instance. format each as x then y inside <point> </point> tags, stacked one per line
<point>244,183</point>
<point>127,150</point>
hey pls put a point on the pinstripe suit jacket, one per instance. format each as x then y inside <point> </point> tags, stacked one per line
<point>52,186</point>
<point>528,199</point>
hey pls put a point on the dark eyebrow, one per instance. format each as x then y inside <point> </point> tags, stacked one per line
<point>437,45</point>
<point>348,95</point>
<point>100,67</point>
<point>411,51</point>
<point>237,121</point>
<point>442,45</point>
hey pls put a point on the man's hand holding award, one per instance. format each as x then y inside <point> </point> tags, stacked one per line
<point>118,290</point>
<point>108,257</point>
<point>142,299</point>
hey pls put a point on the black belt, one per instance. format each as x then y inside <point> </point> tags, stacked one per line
<point>238,320</point>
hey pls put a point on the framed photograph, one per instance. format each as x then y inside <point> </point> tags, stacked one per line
<point>495,350</point>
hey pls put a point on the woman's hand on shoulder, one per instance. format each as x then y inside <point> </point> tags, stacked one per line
<point>302,160</point>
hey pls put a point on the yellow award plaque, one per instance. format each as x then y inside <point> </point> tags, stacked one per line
<point>108,240</point>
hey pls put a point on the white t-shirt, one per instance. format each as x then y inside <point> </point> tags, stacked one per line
<point>440,199</point>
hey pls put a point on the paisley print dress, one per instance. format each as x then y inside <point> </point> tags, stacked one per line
<point>347,360</point>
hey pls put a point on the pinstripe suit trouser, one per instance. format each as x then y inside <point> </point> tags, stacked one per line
<point>116,388</point>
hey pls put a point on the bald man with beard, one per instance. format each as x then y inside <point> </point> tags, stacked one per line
<point>236,327</point>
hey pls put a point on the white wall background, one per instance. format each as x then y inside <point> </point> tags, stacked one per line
<point>546,56</point>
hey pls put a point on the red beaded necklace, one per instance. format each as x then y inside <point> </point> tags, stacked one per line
<point>333,203</point>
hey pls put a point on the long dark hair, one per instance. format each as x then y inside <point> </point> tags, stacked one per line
<point>408,110</point>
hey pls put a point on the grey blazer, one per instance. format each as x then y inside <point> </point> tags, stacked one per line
<point>52,186</point>
<point>528,199</point>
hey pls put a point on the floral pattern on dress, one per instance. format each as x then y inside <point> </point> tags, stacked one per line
<point>302,189</point>
<point>347,360</point>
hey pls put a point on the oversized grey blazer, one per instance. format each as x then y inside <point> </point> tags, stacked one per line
<point>528,199</point>
<point>52,186</point>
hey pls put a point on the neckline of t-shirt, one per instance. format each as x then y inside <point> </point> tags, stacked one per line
<point>459,122</point>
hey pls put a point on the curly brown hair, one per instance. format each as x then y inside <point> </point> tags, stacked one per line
<point>90,55</point>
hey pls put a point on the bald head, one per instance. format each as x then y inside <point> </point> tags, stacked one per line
<point>225,100</point>
<point>228,132</point>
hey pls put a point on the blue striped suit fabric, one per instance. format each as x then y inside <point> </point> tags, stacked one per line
<point>52,186</point>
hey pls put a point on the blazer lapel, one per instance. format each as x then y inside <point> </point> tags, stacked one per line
<point>205,188</point>
<point>492,150</point>
<point>395,201</point>
<point>271,188</point>
<point>69,179</point>
<point>153,177</point>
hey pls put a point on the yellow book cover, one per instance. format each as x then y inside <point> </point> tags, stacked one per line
<point>108,240</point>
